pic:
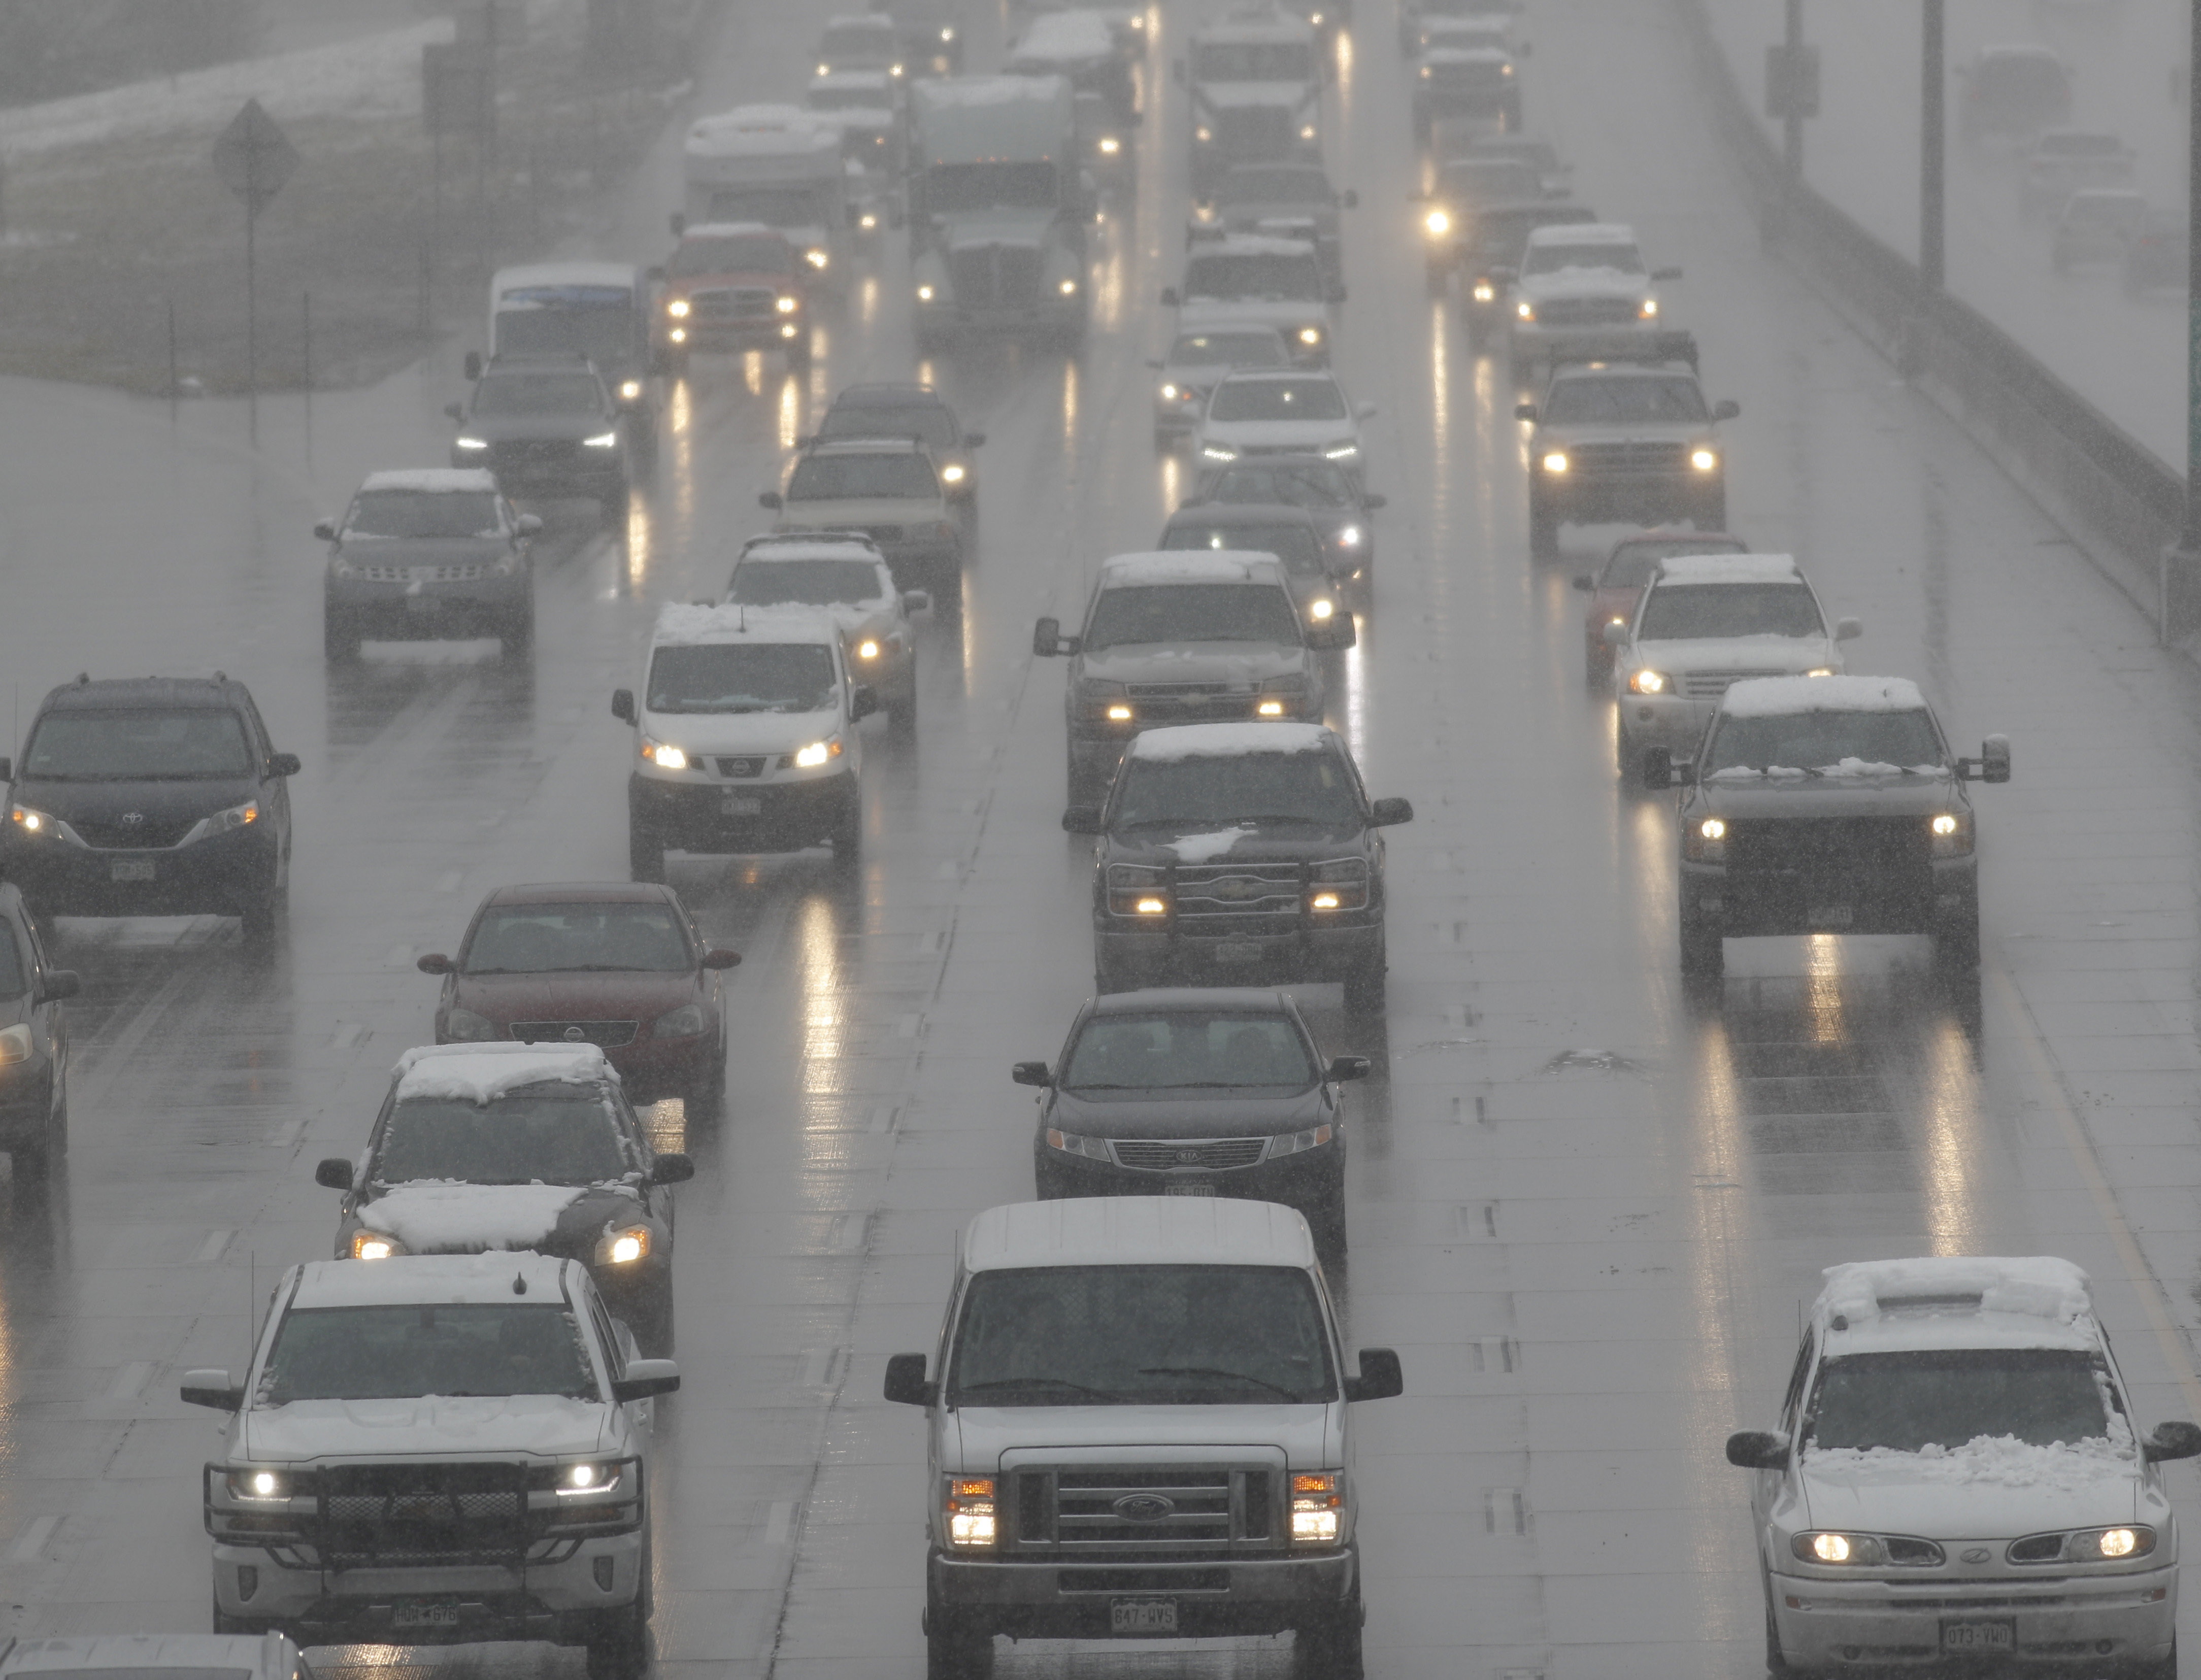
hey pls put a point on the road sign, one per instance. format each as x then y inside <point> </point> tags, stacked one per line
<point>254,157</point>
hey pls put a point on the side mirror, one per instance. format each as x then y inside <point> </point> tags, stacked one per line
<point>722,959</point>
<point>1031,1073</point>
<point>1584,582</point>
<point>60,983</point>
<point>1994,759</point>
<point>1525,411</point>
<point>1614,636</point>
<point>334,1174</point>
<point>434,963</point>
<point>905,1384</point>
<point>974,440</point>
<point>623,705</point>
<point>917,601</point>
<point>1727,409</point>
<point>452,411</point>
<point>1847,630</point>
<point>1081,819</point>
<point>1351,199</point>
<point>284,764</point>
<point>1374,503</point>
<point>671,1169</point>
<point>326,529</point>
<point>1047,638</point>
<point>771,498</point>
<point>1390,812</point>
<point>1658,768</point>
<point>213,1389</point>
<point>528,525</point>
<point>646,1379</point>
<point>1367,410</point>
<point>1345,1069</point>
<point>863,701</point>
<point>1761,1449</point>
<point>1665,273</point>
<point>2178,1440</point>
<point>1169,297</point>
<point>1381,1377</point>
<point>679,223</point>
<point>473,366</point>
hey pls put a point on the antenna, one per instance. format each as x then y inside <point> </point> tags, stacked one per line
<point>519,1282</point>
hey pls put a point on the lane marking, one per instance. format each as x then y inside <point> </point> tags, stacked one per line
<point>781,1520</point>
<point>32,1543</point>
<point>211,1249</point>
<point>129,1380</point>
<point>286,1134</point>
<point>909,1025</point>
<point>1505,1511</point>
<point>349,1033</point>
<point>883,1117</point>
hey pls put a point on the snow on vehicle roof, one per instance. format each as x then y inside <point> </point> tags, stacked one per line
<point>798,547</point>
<point>680,624</point>
<point>1584,233</point>
<point>112,1651</point>
<point>1190,566</point>
<point>481,1073</point>
<point>526,275</point>
<point>436,479</point>
<point>1784,696</point>
<point>1251,244</point>
<point>405,1280</point>
<point>967,91</point>
<point>1227,740</point>
<point>1729,569</point>
<point>1053,37</point>
<point>1965,1301</point>
<point>1436,55</point>
<point>728,230</point>
<point>1137,1230</point>
<point>755,130</point>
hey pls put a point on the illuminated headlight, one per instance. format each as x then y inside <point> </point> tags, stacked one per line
<point>1310,335</point>
<point>1110,145</point>
<point>678,308</point>
<point>685,1022</point>
<point>1217,452</point>
<point>1294,1142</point>
<point>260,1486</point>
<point>970,1510</point>
<point>1648,682</point>
<point>1712,828</point>
<point>1649,309</point>
<point>810,757</point>
<point>1343,881</point>
<point>815,257</point>
<point>1556,461</point>
<point>1067,288</point>
<point>787,306</point>
<point>1525,311</point>
<point>1705,842</point>
<point>825,69</point>
<point>629,389</point>
<point>894,69</point>
<point>867,649</point>
<point>870,221</point>
<point>925,294</point>
<point>1704,461</point>
<point>787,329</point>
<point>1485,292</point>
<point>678,335</point>
<point>588,1479</point>
<point>602,440</point>
<point>1306,131</point>
<point>29,821</point>
<point>222,822</point>
<point>1093,1149</point>
<point>1437,222</point>
<point>1203,133</point>
<point>1952,833</point>
<point>2123,1543</point>
<point>1317,1508</point>
<point>469,443</point>
<point>1136,889</point>
<point>1172,393</point>
<point>463,1026</point>
<point>623,1248</point>
<point>15,1044</point>
<point>1322,608</point>
<point>1315,18</point>
<point>1425,73</point>
<point>1816,671</point>
<point>1873,1551</point>
<point>1269,708</point>
<point>951,474</point>
<point>1119,712</point>
<point>1349,537</point>
<point>665,756</point>
<point>1341,452</point>
<point>1505,69</point>
<point>947,30</point>
<point>375,1245</point>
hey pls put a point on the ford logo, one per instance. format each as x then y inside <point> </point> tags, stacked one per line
<point>574,1035</point>
<point>1145,1507</point>
<point>1977,1555</point>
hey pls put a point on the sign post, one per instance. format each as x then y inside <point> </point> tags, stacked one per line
<point>253,158</point>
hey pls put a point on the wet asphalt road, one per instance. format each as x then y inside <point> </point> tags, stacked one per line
<point>1584,1210</point>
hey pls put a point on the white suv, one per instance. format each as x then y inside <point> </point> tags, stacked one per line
<point>1274,412</point>
<point>1584,292</point>
<point>1958,1474</point>
<point>438,1449</point>
<point>1705,621</point>
<point>1141,1427</point>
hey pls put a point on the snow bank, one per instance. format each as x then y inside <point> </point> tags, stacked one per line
<point>2039,1285</point>
<point>1728,569</point>
<point>1987,1461</point>
<point>1781,696</point>
<point>1206,848</point>
<point>433,479</point>
<point>1226,740</point>
<point>680,623</point>
<point>1184,566</point>
<point>448,1217</point>
<point>480,1073</point>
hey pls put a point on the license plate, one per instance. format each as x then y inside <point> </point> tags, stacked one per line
<point>1237,950</point>
<point>1187,1189</point>
<point>418,1615</point>
<point>131,869</point>
<point>1142,1615</point>
<point>739,805</point>
<point>1979,1635</point>
<point>424,606</point>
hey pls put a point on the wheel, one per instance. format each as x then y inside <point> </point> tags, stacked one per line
<point>847,834</point>
<point>706,1094</point>
<point>518,633</point>
<point>1331,1650</point>
<point>645,854</point>
<point>619,1647</point>
<point>612,507</point>
<point>339,636</point>
<point>1704,954</point>
<point>901,714</point>
<point>261,915</point>
<point>1543,533</point>
<point>956,1653</point>
<point>1956,940</point>
<point>1365,984</point>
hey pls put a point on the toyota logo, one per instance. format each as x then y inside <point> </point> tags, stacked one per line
<point>133,819</point>
<point>1977,1555</point>
<point>1145,1507</point>
<point>574,1035</point>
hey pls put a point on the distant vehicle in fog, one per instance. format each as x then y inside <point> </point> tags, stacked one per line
<point>156,1656</point>
<point>1481,83</point>
<point>1333,497</point>
<point>2156,258</point>
<point>1246,279</point>
<point>1465,187</point>
<point>736,285</point>
<point>2097,225</point>
<point>860,41</point>
<point>1584,291</point>
<point>1077,45</point>
<point>889,408</point>
<point>1196,362</point>
<point>1615,588</point>
<point>1289,533</point>
<point>1287,200</point>
<point>887,487</point>
<point>546,425</point>
<point>1415,14</point>
<point>2063,161</point>
<point>778,165</point>
<point>424,555</point>
<point>867,106</point>
<point>843,574</point>
<point>931,36</point>
<point>1285,411</point>
<point>1490,255</point>
<point>1256,79</point>
<point>1633,442</point>
<point>2011,92</point>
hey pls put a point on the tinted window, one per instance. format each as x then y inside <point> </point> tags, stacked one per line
<point>14,971</point>
<point>1945,1397</point>
<point>138,746</point>
<point>1633,400</point>
<point>1304,483</point>
<point>1274,186</point>
<point>1272,787</point>
<point>539,394</point>
<point>834,477</point>
<point>557,938</point>
<point>742,677</point>
<point>554,1133</point>
<point>1550,259</point>
<point>1232,350</point>
<point>953,187</point>
<point>1313,398</point>
<point>804,583</point>
<point>1683,611</point>
<point>1299,549</point>
<point>750,253</point>
<point>402,1353</point>
<point>1191,613</point>
<point>936,425</point>
<point>417,512</point>
<point>1187,1048</point>
<point>1281,276</point>
<point>1253,61</point>
<point>1814,740</point>
<point>1142,1335</point>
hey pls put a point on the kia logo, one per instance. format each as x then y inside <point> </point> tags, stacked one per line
<point>1188,1157</point>
<point>1145,1507</point>
<point>574,1035</point>
<point>1977,1555</point>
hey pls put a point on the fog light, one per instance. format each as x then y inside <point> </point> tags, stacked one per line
<point>925,294</point>
<point>603,1569</point>
<point>1485,292</point>
<point>1703,460</point>
<point>1326,900</point>
<point>678,335</point>
<point>1945,824</point>
<point>1120,714</point>
<point>1152,907</point>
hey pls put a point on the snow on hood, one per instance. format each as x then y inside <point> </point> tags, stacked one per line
<point>1782,696</point>
<point>1728,653</point>
<point>1206,848</point>
<point>1184,566</point>
<point>480,1073</point>
<point>1573,282</point>
<point>448,1216</point>
<point>1856,768</point>
<point>1729,568</point>
<point>1992,1487</point>
<point>549,1424</point>
<point>1227,740</point>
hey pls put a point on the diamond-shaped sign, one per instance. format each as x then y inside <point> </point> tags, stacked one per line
<point>254,157</point>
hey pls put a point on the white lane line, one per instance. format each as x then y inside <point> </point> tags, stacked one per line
<point>32,1542</point>
<point>1503,1511</point>
<point>211,1249</point>
<point>849,1234</point>
<point>909,1025</point>
<point>349,1034</point>
<point>776,1526</point>
<point>129,1380</point>
<point>285,1134</point>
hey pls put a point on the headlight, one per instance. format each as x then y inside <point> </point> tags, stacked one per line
<point>1349,537</point>
<point>810,757</point>
<point>1172,393</point>
<point>787,306</point>
<point>1485,292</point>
<point>1342,881</point>
<point>1525,311</point>
<point>1649,682</point>
<point>1556,461</point>
<point>15,1045</point>
<point>894,69</point>
<point>685,1022</point>
<point>1293,1142</point>
<point>1269,708</point>
<point>469,443</point>
<point>870,220</point>
<point>1437,222</point>
<point>814,257</point>
<point>629,389</point>
<point>1341,452</point>
<point>1110,145</point>
<point>1821,671</point>
<point>1874,1551</point>
<point>868,649</point>
<point>260,1486</point>
<point>1952,834</point>
<point>1425,73</point>
<point>375,1245</point>
<point>1321,607</point>
<point>1093,1149</point>
<point>602,440</point>
<point>951,474</point>
<point>30,822</point>
<point>1306,131</point>
<point>1703,459</point>
<point>1203,133</point>
<point>2086,1545</point>
<point>588,1479</point>
<point>1649,309</point>
<point>678,335</point>
<point>222,822</point>
<point>925,294</point>
<point>677,309</point>
<point>1068,288</point>
<point>665,756</point>
<point>463,1026</point>
<point>1317,1508</point>
<point>1704,841</point>
<point>1310,335</point>
<point>1119,712</point>
<point>969,1509</point>
<point>1136,890</point>
<point>625,1247</point>
<point>1217,452</point>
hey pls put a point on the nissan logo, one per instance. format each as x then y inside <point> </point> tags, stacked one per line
<point>1977,1555</point>
<point>1145,1507</point>
<point>574,1035</point>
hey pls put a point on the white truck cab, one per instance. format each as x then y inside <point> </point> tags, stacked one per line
<point>1140,1427</point>
<point>779,165</point>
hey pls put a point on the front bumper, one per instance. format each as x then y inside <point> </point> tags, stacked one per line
<point>407,611</point>
<point>1214,1597</point>
<point>218,876</point>
<point>1064,315</point>
<point>702,818</point>
<point>1303,1180</point>
<point>761,333</point>
<point>1643,499</point>
<point>1313,954</point>
<point>1866,898</point>
<point>1843,1624</point>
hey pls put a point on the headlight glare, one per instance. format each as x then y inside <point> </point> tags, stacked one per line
<point>665,756</point>
<point>1648,682</point>
<point>470,444</point>
<point>1649,309</point>
<point>260,1486</point>
<point>815,258</point>
<point>1310,335</point>
<point>679,309</point>
<point>1556,461</point>
<point>925,294</point>
<point>1349,537</point>
<point>602,440</point>
<point>629,389</point>
<point>970,1510</point>
<point>31,821</point>
<point>1067,288</point>
<point>952,474</point>
<point>1485,292</point>
<point>464,1026</point>
<point>623,1246</point>
<point>1318,1506</point>
<point>1437,222</point>
<point>1703,459</point>
<point>787,306</point>
<point>588,1478</point>
<point>373,1245</point>
<point>810,757</point>
<point>1526,311</point>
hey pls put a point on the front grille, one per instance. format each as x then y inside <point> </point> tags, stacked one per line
<point>607,1035</point>
<point>1646,459</point>
<point>534,452</point>
<point>1590,312</point>
<point>739,768</point>
<point>996,276</point>
<point>1890,846</point>
<point>1237,890</point>
<point>1711,685</point>
<point>403,1516</point>
<point>1192,702</point>
<point>735,303</point>
<point>1164,1154</point>
<point>1175,690</point>
<point>1261,131</point>
<point>151,834</point>
<point>470,572</point>
<point>1089,1507</point>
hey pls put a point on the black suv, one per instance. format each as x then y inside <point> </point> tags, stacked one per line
<point>1826,805</point>
<point>547,426</point>
<point>899,410</point>
<point>1292,534</point>
<point>1194,1093</point>
<point>1239,853</point>
<point>150,796</point>
<point>33,1045</point>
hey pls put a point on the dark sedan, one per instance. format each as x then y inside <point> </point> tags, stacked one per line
<point>1194,1092</point>
<point>619,965</point>
<point>33,1045</point>
<point>1331,496</point>
<point>1289,533</point>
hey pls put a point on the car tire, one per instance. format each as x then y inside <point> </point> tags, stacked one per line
<point>2163,1668</point>
<point>518,633</point>
<point>954,1653</point>
<point>339,636</point>
<point>1331,1649</point>
<point>261,915</point>
<point>619,1642</point>
<point>846,836</point>
<point>1543,532</point>
<point>901,714</point>
<point>1956,940</point>
<point>1704,950</point>
<point>1364,987</point>
<point>645,854</point>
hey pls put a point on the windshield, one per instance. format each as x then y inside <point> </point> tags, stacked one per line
<point>836,478</point>
<point>742,677</point>
<point>1140,1335</point>
<point>1285,277</point>
<point>1298,548</point>
<point>843,44</point>
<point>1816,740</point>
<point>1312,398</point>
<point>1306,484</point>
<point>1550,259</point>
<point>539,394</point>
<point>773,206</point>
<point>424,512</point>
<point>567,938</point>
<point>1253,61</point>
<point>602,332</point>
<point>553,1133</point>
<point>1149,613</point>
<point>1290,185</point>
<point>1187,1048</point>
<point>1632,562</point>
<point>950,188</point>
<point>138,747</point>
<point>805,582</point>
<point>1947,1396</point>
<point>735,254</point>
<point>1229,349</point>
<point>1630,399</point>
<point>936,426</point>
<point>1686,611</point>
<point>1183,793</point>
<point>1501,236</point>
<point>402,1353</point>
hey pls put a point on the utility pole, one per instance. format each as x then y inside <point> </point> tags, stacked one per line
<point>2182,562</point>
<point>1934,150</point>
<point>1792,114</point>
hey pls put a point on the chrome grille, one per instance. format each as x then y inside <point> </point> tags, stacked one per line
<point>607,1035</point>
<point>728,303</point>
<point>470,572</point>
<point>1237,890</point>
<point>996,276</point>
<point>148,834</point>
<point>1164,1154</point>
<point>1617,459</point>
<point>1891,847</point>
<point>1711,685</point>
<point>1590,312</point>
<point>411,1515</point>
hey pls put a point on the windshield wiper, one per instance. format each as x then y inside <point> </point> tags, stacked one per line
<point>1022,1383</point>
<point>1217,1371</point>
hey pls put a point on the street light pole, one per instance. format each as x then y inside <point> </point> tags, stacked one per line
<point>2176,595</point>
<point>1933,149</point>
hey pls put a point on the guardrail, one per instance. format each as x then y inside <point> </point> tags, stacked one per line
<point>2118,499</point>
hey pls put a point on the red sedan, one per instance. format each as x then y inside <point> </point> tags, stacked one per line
<point>1614,592</point>
<point>621,965</point>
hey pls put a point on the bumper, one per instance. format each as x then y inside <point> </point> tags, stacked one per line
<point>1305,1180</point>
<point>788,815</point>
<point>1866,899</point>
<point>219,876</point>
<point>391,611</point>
<point>1534,340</point>
<point>541,1601</point>
<point>1213,1597</point>
<point>1676,722</point>
<point>1838,1624</point>
<point>1308,954</point>
<point>1639,501</point>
